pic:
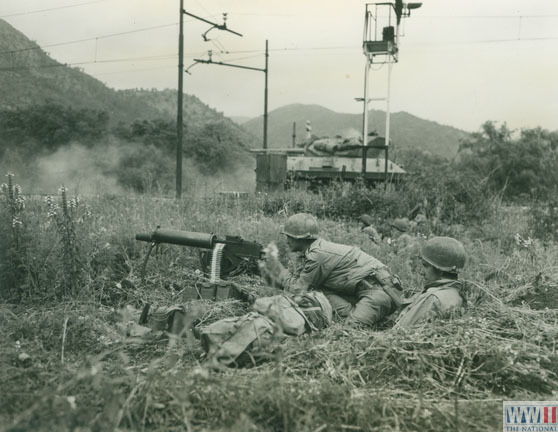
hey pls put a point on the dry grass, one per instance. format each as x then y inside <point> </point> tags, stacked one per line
<point>81,372</point>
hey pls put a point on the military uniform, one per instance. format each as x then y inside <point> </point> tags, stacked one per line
<point>355,283</point>
<point>439,299</point>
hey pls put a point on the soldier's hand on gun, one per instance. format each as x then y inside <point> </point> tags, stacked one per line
<point>271,264</point>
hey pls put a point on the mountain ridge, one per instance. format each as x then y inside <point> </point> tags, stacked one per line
<point>407,130</point>
<point>29,76</point>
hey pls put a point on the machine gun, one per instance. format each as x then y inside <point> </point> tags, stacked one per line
<point>219,258</point>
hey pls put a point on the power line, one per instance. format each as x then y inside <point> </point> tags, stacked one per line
<point>218,49</point>
<point>90,39</point>
<point>485,16</point>
<point>420,16</point>
<point>173,55</point>
<point>159,57</point>
<point>212,16</point>
<point>31,48</point>
<point>244,58</point>
<point>136,70</point>
<point>487,41</point>
<point>127,59</point>
<point>120,60</point>
<point>52,9</point>
<point>217,44</point>
<point>95,38</point>
<point>261,14</point>
<point>169,67</point>
<point>223,49</point>
<point>353,47</point>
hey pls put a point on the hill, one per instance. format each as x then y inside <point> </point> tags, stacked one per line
<point>29,77</point>
<point>240,119</point>
<point>407,130</point>
<point>59,125</point>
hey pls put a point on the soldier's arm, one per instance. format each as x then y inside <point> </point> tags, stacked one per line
<point>309,277</point>
<point>419,311</point>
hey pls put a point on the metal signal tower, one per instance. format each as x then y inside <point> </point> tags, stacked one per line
<point>381,46</point>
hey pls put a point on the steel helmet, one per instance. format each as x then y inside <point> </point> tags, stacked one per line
<point>301,226</point>
<point>401,224</point>
<point>366,219</point>
<point>444,253</point>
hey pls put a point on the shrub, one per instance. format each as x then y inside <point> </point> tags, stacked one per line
<point>447,191</point>
<point>144,168</point>
<point>543,221</point>
<point>447,197</point>
<point>512,166</point>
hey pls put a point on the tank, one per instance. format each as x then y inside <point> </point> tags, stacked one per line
<point>322,160</point>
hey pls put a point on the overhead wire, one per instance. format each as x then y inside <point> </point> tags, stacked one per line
<point>173,55</point>
<point>217,52</point>
<point>483,41</point>
<point>168,67</point>
<point>339,47</point>
<point>52,9</point>
<point>215,41</point>
<point>421,16</point>
<point>56,64</point>
<point>485,16</point>
<point>135,70</point>
<point>244,58</point>
<point>118,60</point>
<point>36,47</point>
<point>70,42</point>
<point>205,9</point>
<point>220,48</point>
<point>352,47</point>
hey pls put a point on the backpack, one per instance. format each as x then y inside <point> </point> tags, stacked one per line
<point>239,341</point>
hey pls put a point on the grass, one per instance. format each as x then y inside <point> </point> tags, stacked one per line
<point>67,362</point>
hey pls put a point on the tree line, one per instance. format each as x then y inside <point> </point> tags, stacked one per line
<point>147,146</point>
<point>516,166</point>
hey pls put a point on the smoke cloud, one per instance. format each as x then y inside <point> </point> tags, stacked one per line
<point>351,133</point>
<point>95,170</point>
<point>82,170</point>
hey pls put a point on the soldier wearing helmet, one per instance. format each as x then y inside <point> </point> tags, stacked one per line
<point>442,258</point>
<point>359,287</point>
<point>402,225</point>
<point>368,228</point>
<point>400,236</point>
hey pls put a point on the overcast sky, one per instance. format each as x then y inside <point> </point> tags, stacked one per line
<point>461,62</point>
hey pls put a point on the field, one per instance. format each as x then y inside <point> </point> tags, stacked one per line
<point>72,292</point>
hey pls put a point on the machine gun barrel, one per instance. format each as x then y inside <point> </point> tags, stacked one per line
<point>181,238</point>
<point>237,254</point>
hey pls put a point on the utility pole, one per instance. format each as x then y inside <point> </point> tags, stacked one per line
<point>265,71</point>
<point>179,109</point>
<point>179,114</point>
<point>365,117</point>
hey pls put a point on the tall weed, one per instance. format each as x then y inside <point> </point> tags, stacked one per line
<point>13,239</point>
<point>67,217</point>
